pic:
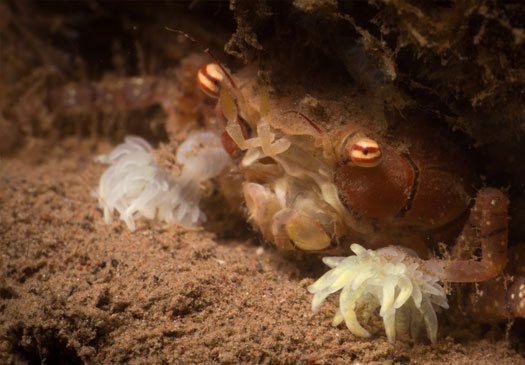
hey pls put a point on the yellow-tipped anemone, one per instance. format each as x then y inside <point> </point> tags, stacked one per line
<point>389,278</point>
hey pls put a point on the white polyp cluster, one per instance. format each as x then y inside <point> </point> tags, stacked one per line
<point>387,278</point>
<point>135,186</point>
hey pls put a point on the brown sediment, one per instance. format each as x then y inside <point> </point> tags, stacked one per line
<point>75,290</point>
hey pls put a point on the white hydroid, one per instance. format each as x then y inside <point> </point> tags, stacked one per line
<point>135,186</point>
<point>388,278</point>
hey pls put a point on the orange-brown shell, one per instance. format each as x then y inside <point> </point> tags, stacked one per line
<point>423,179</point>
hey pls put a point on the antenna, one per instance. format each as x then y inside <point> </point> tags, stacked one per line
<point>207,51</point>
<point>312,123</point>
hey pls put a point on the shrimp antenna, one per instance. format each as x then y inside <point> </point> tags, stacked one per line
<point>312,123</point>
<point>207,51</point>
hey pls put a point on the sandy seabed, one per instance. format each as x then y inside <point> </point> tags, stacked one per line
<point>74,290</point>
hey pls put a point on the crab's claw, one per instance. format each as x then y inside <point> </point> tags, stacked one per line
<point>289,228</point>
<point>295,228</point>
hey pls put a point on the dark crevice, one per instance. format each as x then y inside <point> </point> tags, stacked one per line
<point>42,346</point>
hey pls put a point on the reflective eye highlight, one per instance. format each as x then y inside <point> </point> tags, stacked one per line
<point>210,78</point>
<point>364,152</point>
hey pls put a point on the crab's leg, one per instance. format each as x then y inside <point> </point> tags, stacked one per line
<point>516,297</point>
<point>504,296</point>
<point>487,225</point>
<point>516,290</point>
<point>498,299</point>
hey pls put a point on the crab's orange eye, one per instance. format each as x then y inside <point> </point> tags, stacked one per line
<point>364,152</point>
<point>210,78</point>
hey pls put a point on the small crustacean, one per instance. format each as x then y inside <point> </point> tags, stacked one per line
<point>175,92</point>
<point>315,189</point>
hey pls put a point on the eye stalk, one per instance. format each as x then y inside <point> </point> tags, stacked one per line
<point>210,78</point>
<point>363,151</point>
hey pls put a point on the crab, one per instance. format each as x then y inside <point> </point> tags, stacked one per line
<point>311,188</point>
<point>317,174</point>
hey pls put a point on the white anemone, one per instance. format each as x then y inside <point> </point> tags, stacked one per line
<point>389,278</point>
<point>135,186</point>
